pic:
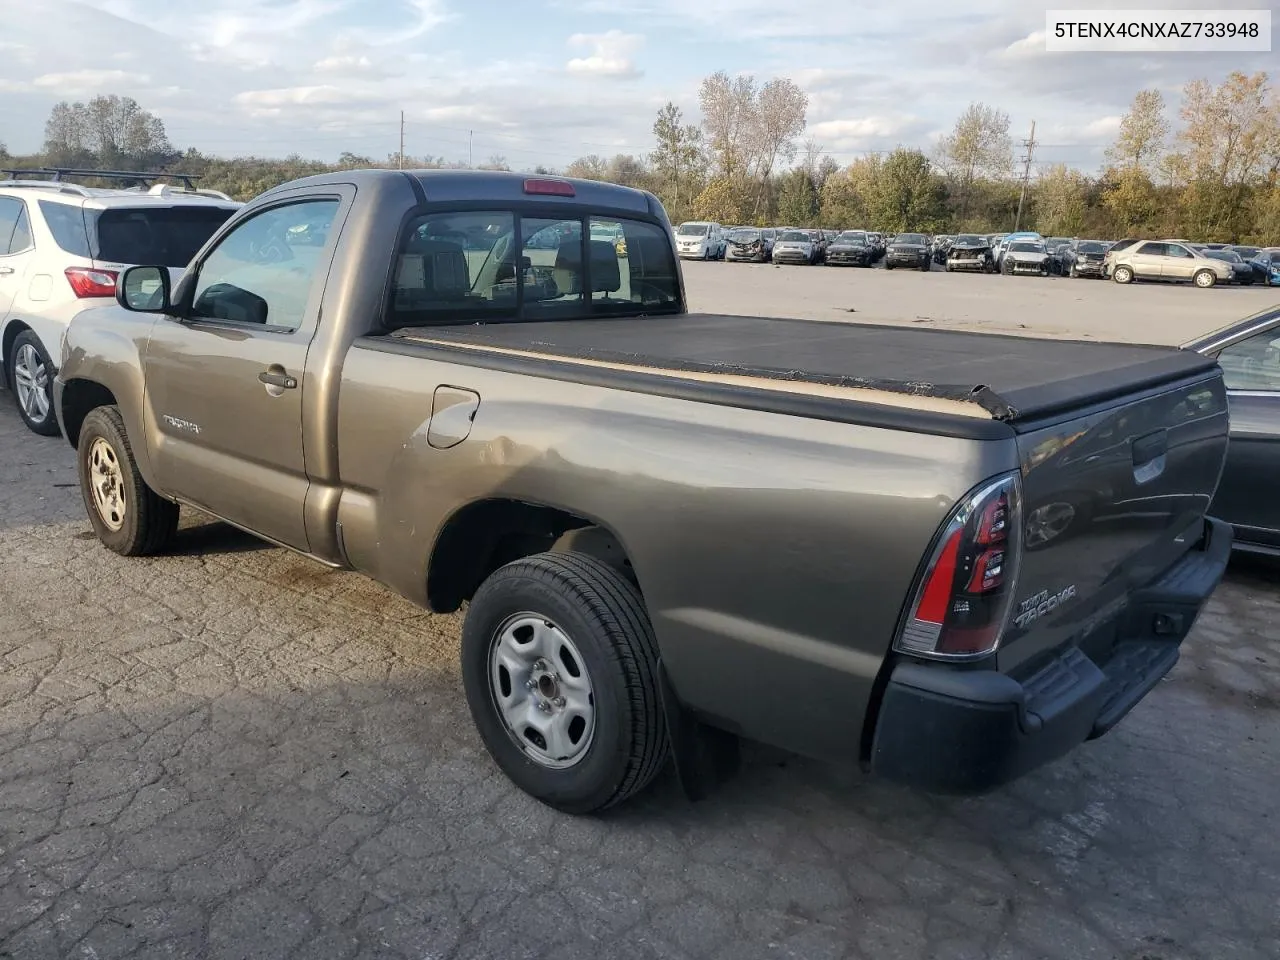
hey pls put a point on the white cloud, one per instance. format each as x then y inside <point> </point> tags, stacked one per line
<point>863,128</point>
<point>351,65</point>
<point>78,83</point>
<point>610,54</point>
<point>1030,46</point>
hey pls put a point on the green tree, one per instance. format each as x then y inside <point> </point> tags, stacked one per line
<point>797,199</point>
<point>1143,131</point>
<point>978,146</point>
<point>722,200</point>
<point>110,131</point>
<point>677,160</point>
<point>1131,198</point>
<point>908,195</point>
<point>1061,201</point>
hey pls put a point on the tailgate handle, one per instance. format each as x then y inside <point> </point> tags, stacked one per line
<point>1149,456</point>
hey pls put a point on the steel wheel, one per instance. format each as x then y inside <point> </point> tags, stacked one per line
<point>106,481</point>
<point>31,382</point>
<point>540,686</point>
<point>1122,275</point>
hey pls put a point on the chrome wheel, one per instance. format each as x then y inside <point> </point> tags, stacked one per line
<point>1205,279</point>
<point>31,383</point>
<point>106,481</point>
<point>1048,523</point>
<point>541,690</point>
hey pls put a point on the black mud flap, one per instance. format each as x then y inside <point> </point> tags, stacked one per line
<point>705,757</point>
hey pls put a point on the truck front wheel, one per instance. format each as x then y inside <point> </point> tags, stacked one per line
<point>560,667</point>
<point>127,515</point>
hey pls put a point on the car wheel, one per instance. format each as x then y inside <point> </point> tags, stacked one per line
<point>1122,275</point>
<point>31,378</point>
<point>560,667</point>
<point>925,266</point>
<point>888,265</point>
<point>127,515</point>
<point>1072,272</point>
<point>1204,279</point>
<point>1007,268</point>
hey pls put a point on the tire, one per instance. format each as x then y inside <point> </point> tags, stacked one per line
<point>949,269</point>
<point>1072,273</point>
<point>603,616</point>
<point>1007,268</point>
<point>888,265</point>
<point>146,522</point>
<point>926,266</point>
<point>31,380</point>
<point>1204,279</point>
<point>1122,275</point>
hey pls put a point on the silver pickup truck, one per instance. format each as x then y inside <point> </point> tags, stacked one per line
<point>949,557</point>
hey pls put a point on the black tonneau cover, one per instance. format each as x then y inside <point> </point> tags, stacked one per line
<point>1012,378</point>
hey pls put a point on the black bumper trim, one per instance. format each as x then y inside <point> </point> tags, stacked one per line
<point>964,730</point>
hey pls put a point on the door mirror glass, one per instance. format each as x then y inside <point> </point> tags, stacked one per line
<point>144,289</point>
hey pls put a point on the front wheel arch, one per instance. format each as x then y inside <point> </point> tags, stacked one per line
<point>79,399</point>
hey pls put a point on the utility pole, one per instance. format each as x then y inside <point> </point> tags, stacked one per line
<point>470,136</point>
<point>401,158</point>
<point>1030,145</point>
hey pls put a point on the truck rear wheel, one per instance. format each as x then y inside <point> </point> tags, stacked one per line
<point>127,515</point>
<point>560,667</point>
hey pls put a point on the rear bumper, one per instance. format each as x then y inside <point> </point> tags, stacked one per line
<point>952,730</point>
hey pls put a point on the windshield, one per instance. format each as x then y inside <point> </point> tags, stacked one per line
<point>159,236</point>
<point>743,235</point>
<point>1024,247</point>
<point>1091,246</point>
<point>1247,252</point>
<point>852,236</point>
<point>910,238</point>
<point>693,230</point>
<point>969,238</point>
<point>795,236</point>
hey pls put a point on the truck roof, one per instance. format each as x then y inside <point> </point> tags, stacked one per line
<point>1000,377</point>
<point>495,186</point>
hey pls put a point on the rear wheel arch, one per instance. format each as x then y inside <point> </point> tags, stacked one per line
<point>483,536</point>
<point>12,331</point>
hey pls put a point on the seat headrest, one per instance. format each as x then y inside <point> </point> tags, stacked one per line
<point>605,275</point>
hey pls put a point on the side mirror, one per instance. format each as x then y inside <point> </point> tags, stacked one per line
<point>144,289</point>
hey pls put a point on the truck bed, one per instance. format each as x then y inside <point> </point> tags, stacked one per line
<point>1002,377</point>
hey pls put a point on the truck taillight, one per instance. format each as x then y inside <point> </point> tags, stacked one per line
<point>961,604</point>
<point>87,282</point>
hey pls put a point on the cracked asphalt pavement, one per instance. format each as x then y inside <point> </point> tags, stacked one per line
<point>232,752</point>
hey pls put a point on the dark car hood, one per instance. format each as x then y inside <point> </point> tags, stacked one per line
<point>850,247</point>
<point>907,247</point>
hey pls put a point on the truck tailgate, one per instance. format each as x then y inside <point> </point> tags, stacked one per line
<point>1111,499</point>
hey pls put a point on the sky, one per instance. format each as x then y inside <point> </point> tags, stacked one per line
<point>541,82</point>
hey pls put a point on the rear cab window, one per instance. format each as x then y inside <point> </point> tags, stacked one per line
<point>506,266</point>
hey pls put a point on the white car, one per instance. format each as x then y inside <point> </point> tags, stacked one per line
<point>62,246</point>
<point>701,240</point>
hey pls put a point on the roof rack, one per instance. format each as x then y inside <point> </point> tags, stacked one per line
<point>188,180</point>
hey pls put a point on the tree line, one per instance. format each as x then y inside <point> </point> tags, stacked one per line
<point>1213,177</point>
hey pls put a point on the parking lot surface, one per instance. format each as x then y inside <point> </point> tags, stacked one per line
<point>232,752</point>
<point>1026,306</point>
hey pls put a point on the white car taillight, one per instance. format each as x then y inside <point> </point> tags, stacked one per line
<point>963,598</point>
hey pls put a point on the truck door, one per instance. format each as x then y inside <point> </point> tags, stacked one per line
<point>226,380</point>
<point>1246,496</point>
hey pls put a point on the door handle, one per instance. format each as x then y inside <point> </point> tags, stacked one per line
<point>5,271</point>
<point>282,380</point>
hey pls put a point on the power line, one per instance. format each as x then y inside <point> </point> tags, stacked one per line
<point>1030,145</point>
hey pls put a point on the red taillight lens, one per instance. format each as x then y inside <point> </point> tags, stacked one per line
<point>87,282</point>
<point>962,603</point>
<point>549,188</point>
